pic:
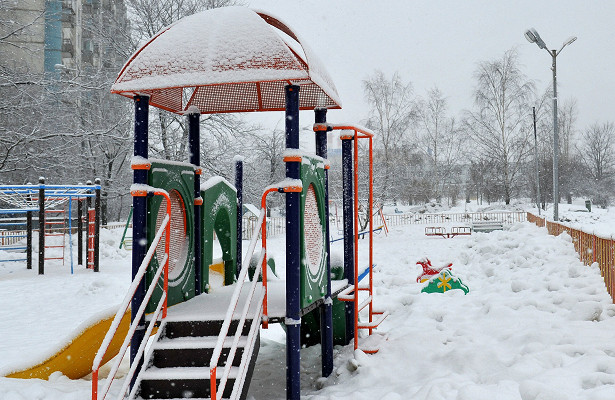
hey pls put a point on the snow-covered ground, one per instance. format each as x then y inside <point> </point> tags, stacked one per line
<point>536,324</point>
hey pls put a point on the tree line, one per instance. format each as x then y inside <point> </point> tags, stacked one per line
<point>67,127</point>
<point>488,152</point>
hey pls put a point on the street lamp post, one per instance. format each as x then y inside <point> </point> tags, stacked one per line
<point>533,37</point>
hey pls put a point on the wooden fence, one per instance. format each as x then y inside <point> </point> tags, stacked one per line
<point>591,249</point>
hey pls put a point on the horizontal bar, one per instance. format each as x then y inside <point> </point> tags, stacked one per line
<point>365,303</point>
<point>49,187</point>
<point>374,324</point>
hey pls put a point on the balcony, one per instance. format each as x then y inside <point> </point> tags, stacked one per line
<point>67,48</point>
<point>67,5</point>
<point>67,17</point>
<point>87,56</point>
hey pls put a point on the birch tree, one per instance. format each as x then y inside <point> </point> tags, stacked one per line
<point>440,139</point>
<point>498,124</point>
<point>392,117</point>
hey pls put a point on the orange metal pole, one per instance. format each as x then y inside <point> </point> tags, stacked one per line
<point>265,322</point>
<point>371,233</point>
<point>212,383</point>
<point>95,384</point>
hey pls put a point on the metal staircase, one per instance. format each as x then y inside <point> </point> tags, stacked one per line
<point>179,362</point>
<point>190,353</point>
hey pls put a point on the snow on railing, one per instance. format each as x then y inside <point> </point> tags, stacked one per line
<point>163,266</point>
<point>218,390</point>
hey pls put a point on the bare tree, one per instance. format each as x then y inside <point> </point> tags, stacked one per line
<point>440,138</point>
<point>498,125</point>
<point>597,150</point>
<point>392,117</point>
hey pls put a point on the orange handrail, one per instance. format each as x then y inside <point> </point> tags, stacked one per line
<point>165,229</point>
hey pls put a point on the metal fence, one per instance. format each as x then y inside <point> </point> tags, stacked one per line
<point>590,248</point>
<point>507,217</point>
<point>275,226</point>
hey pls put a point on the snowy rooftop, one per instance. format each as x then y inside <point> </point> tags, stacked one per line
<point>230,59</point>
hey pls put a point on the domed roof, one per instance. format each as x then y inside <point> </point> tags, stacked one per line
<point>230,59</point>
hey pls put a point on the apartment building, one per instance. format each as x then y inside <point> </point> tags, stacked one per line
<point>44,36</point>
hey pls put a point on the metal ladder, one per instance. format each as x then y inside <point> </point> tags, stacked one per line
<point>55,226</point>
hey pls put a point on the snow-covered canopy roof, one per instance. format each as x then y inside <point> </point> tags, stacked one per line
<point>229,59</point>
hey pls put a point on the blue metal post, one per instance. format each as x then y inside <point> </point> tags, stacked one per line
<point>97,213</point>
<point>70,232</point>
<point>41,226</point>
<point>79,231</point>
<point>326,312</point>
<point>293,252</point>
<point>29,228</point>
<point>139,220</point>
<point>239,187</point>
<point>194,127</point>
<point>347,183</point>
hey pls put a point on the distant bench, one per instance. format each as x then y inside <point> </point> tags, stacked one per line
<point>487,226</point>
<point>441,231</point>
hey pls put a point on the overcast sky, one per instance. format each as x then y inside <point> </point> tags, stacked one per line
<point>439,43</point>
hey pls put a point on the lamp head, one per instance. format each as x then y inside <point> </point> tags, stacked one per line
<point>533,37</point>
<point>569,40</point>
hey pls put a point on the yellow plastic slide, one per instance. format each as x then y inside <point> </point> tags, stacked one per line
<point>76,358</point>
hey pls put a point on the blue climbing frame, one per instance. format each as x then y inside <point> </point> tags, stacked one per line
<point>32,198</point>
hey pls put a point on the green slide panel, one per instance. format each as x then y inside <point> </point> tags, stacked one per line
<point>178,180</point>
<point>313,228</point>
<point>219,217</point>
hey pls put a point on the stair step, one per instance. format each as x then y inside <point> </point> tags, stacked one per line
<point>175,329</point>
<point>193,352</point>
<point>195,342</point>
<point>193,382</point>
<point>177,398</point>
<point>182,373</point>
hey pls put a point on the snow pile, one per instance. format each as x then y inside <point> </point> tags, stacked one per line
<point>47,311</point>
<point>536,324</point>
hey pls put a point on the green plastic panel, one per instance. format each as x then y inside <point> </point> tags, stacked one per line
<point>313,239</point>
<point>219,216</point>
<point>178,180</point>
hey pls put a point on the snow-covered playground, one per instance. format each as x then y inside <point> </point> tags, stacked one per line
<point>536,324</point>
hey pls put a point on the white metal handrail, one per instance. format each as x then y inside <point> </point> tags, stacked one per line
<point>163,266</point>
<point>216,393</point>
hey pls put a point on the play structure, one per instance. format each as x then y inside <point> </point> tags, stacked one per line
<point>48,209</point>
<point>219,61</point>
